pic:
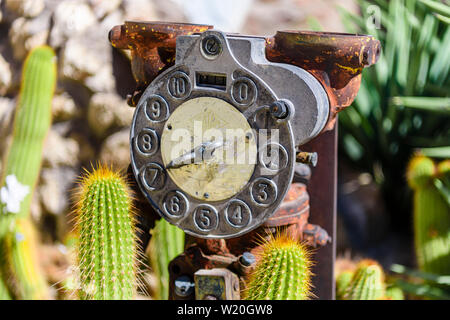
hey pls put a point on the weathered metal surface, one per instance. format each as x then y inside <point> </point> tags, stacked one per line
<point>335,59</point>
<point>216,284</point>
<point>291,217</point>
<point>322,192</point>
<point>152,46</point>
<point>220,109</point>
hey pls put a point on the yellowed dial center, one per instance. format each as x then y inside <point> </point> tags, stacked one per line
<point>208,148</point>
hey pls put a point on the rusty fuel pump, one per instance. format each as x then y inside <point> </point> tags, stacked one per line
<point>292,84</point>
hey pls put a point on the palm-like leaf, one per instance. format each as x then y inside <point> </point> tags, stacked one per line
<point>403,103</point>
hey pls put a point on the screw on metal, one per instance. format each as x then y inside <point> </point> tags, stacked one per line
<point>307,158</point>
<point>184,286</point>
<point>247,259</point>
<point>279,109</point>
<point>211,45</point>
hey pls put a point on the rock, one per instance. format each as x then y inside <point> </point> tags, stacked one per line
<point>71,18</point>
<point>87,153</point>
<point>102,81</point>
<point>108,111</point>
<point>115,150</point>
<point>87,57</point>
<point>35,207</point>
<point>26,34</point>
<point>139,10</point>
<point>78,61</point>
<point>63,107</point>
<point>55,185</point>
<point>7,107</point>
<point>25,8</point>
<point>5,76</point>
<point>59,151</point>
<point>102,8</point>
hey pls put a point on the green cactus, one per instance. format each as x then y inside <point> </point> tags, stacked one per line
<point>31,124</point>
<point>167,242</point>
<point>342,282</point>
<point>107,250</point>
<point>367,283</point>
<point>394,293</point>
<point>21,168</point>
<point>282,271</point>
<point>4,291</point>
<point>22,261</point>
<point>431,216</point>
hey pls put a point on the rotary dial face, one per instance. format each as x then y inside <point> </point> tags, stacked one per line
<point>205,150</point>
<point>208,149</point>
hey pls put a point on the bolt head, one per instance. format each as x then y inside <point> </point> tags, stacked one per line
<point>247,259</point>
<point>211,45</point>
<point>184,286</point>
<point>279,109</point>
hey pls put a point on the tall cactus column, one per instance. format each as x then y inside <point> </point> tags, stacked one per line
<point>431,215</point>
<point>167,242</point>
<point>22,165</point>
<point>282,272</point>
<point>31,124</point>
<point>367,282</point>
<point>107,253</point>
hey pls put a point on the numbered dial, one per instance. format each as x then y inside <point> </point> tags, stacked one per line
<point>205,150</point>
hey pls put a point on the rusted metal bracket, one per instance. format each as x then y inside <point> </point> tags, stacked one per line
<point>335,59</point>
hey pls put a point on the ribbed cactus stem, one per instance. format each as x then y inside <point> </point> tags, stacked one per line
<point>167,242</point>
<point>367,283</point>
<point>107,245</point>
<point>343,280</point>
<point>22,258</point>
<point>4,291</point>
<point>21,170</point>
<point>282,271</point>
<point>394,293</point>
<point>31,124</point>
<point>431,218</point>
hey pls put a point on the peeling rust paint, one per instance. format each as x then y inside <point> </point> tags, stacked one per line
<point>335,59</point>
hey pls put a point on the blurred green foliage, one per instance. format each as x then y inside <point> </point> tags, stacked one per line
<point>421,284</point>
<point>403,103</point>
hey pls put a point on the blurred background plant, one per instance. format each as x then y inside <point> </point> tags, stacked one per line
<point>21,270</point>
<point>166,243</point>
<point>403,105</point>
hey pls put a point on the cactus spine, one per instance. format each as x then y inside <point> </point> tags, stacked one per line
<point>107,253</point>
<point>431,216</point>
<point>367,283</point>
<point>282,271</point>
<point>22,164</point>
<point>167,242</point>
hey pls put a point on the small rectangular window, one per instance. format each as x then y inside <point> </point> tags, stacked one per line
<point>211,80</point>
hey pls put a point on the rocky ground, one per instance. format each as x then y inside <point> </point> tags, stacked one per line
<point>90,115</point>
